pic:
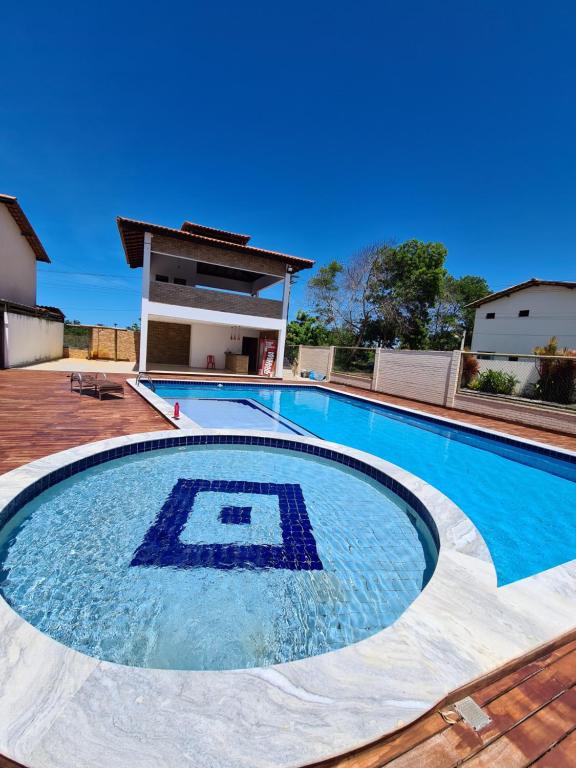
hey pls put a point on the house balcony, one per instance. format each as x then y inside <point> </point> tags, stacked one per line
<point>219,301</point>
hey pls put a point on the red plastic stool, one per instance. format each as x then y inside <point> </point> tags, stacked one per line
<point>210,361</point>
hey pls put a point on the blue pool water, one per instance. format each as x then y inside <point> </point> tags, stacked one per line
<point>244,413</point>
<point>523,502</point>
<point>214,557</point>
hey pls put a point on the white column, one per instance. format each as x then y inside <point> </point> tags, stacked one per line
<point>280,352</point>
<point>282,333</point>
<point>145,297</point>
<point>286,295</point>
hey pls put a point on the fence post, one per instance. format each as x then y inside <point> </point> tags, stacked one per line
<point>330,363</point>
<point>453,378</point>
<point>376,371</point>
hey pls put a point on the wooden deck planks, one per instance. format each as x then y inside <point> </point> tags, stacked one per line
<point>533,704</point>
<point>39,415</point>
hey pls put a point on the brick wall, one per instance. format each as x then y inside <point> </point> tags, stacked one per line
<point>75,352</point>
<point>351,380</point>
<point>222,256</point>
<point>187,296</point>
<point>114,344</point>
<point>168,343</point>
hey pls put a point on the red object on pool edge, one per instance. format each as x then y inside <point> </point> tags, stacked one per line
<point>176,410</point>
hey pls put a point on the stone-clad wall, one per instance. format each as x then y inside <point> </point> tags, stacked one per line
<point>223,256</point>
<point>241,304</point>
<point>168,343</point>
<point>114,344</point>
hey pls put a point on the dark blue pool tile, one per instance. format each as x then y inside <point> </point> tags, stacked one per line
<point>162,546</point>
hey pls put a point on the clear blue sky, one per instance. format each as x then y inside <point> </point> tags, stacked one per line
<point>316,127</point>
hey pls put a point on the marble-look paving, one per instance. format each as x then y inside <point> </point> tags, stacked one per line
<point>62,709</point>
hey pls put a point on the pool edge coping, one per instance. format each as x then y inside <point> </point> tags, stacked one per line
<point>463,555</point>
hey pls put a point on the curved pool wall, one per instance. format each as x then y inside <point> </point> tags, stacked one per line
<point>521,495</point>
<point>216,553</point>
<point>62,709</point>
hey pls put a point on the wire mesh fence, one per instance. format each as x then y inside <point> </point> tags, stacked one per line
<point>358,361</point>
<point>547,379</point>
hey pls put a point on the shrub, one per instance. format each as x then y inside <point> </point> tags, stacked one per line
<point>470,367</point>
<point>495,382</point>
<point>557,376</point>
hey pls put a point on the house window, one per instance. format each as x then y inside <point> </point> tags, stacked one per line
<point>179,281</point>
<point>490,315</point>
<point>162,279</point>
<point>524,313</point>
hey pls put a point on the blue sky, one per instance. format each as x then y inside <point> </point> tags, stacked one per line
<point>316,127</point>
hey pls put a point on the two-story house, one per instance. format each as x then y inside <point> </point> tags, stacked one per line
<point>203,306</point>
<point>525,316</point>
<point>28,333</point>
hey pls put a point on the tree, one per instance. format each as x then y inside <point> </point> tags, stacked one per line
<point>405,284</point>
<point>71,322</point>
<point>307,329</point>
<point>134,327</point>
<point>451,317</point>
<point>324,289</point>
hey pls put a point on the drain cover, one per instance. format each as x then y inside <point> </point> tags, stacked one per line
<point>472,714</point>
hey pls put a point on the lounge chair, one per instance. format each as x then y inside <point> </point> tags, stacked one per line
<point>85,380</point>
<point>108,387</point>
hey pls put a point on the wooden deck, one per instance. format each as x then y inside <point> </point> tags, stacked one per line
<point>532,705</point>
<point>532,702</point>
<point>39,415</point>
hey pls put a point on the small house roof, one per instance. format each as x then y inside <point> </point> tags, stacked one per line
<point>26,229</point>
<point>132,236</point>
<point>533,282</point>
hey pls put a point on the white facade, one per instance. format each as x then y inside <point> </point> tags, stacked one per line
<point>17,263</point>
<point>501,325</point>
<point>214,329</point>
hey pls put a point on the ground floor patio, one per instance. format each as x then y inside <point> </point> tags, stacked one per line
<point>532,702</point>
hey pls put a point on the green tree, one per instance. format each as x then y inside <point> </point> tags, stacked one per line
<point>404,286</point>
<point>325,289</point>
<point>451,317</point>
<point>307,329</point>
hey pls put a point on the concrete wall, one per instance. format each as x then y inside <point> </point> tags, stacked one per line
<point>552,313</point>
<point>31,339</point>
<point>426,376</point>
<point>315,359</point>
<point>544,418</point>
<point>17,263</point>
<point>215,340</point>
<point>351,380</point>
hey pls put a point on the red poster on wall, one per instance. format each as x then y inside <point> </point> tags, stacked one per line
<point>268,348</point>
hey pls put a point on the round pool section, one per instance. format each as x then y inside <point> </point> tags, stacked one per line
<point>213,553</point>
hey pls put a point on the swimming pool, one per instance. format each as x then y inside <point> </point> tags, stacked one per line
<point>522,500</point>
<point>216,556</point>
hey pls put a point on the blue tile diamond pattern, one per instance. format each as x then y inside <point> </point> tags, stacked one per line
<point>163,546</point>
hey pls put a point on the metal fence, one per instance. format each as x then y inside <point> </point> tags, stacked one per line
<point>549,379</point>
<point>357,361</point>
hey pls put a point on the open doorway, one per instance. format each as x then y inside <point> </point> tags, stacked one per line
<point>250,348</point>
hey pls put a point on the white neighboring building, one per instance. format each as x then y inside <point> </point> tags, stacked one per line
<point>28,333</point>
<point>525,316</point>
<point>202,307</point>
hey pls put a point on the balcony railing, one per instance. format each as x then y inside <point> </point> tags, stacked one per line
<point>217,301</point>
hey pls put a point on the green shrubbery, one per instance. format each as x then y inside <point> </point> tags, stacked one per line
<point>494,382</point>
